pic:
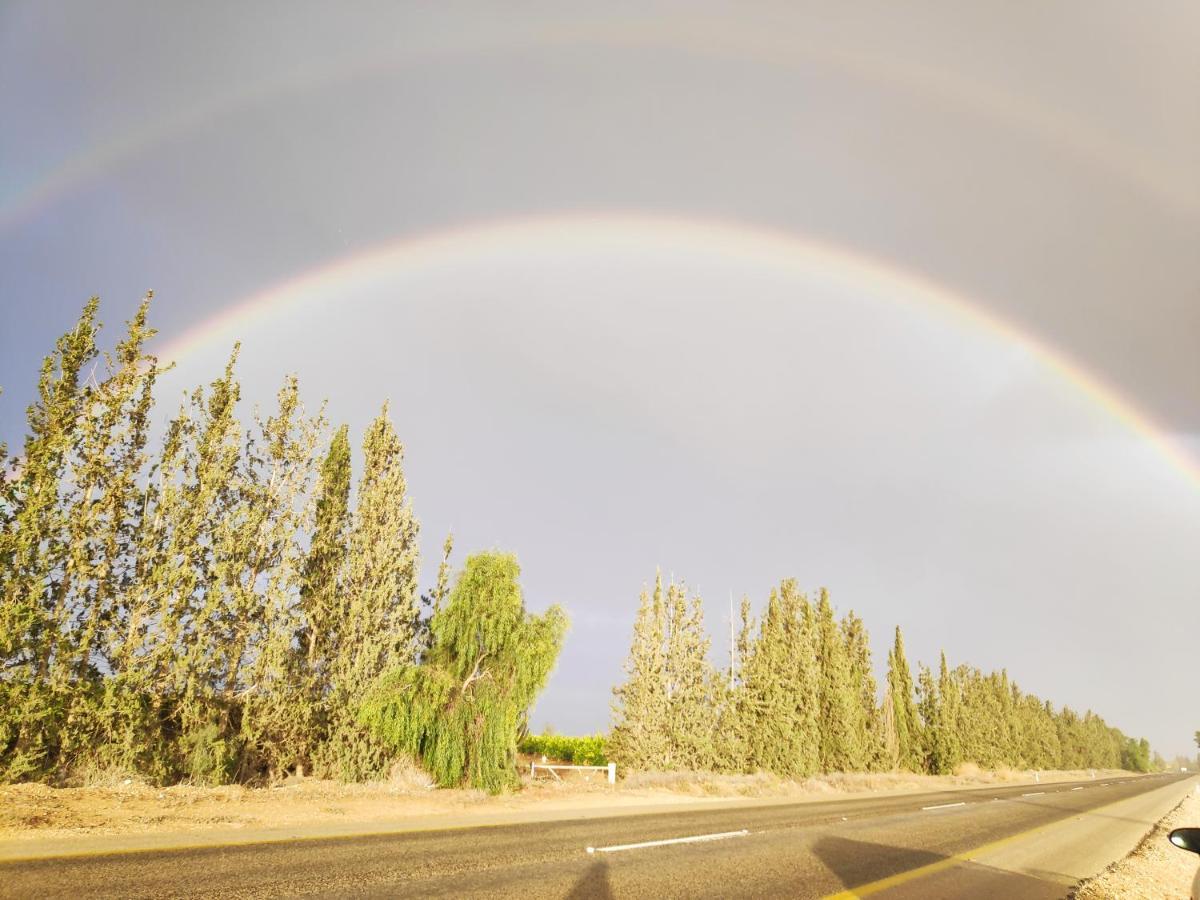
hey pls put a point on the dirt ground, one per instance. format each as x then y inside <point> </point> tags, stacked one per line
<point>126,807</point>
<point>1155,870</point>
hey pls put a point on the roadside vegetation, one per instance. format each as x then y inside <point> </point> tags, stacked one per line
<point>577,751</point>
<point>802,700</point>
<point>216,610</point>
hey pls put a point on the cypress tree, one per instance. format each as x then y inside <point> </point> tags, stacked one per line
<point>32,612</point>
<point>781,688</point>
<point>640,737</point>
<point>948,751</point>
<point>321,596</point>
<point>104,504</point>
<point>904,712</point>
<point>867,721</point>
<point>380,585</point>
<point>690,711</point>
<point>841,745</point>
<point>268,680</point>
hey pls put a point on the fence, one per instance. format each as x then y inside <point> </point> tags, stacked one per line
<point>611,769</point>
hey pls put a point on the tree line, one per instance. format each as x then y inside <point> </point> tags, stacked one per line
<point>801,699</point>
<point>218,609</point>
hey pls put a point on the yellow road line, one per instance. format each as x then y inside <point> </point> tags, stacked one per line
<point>891,881</point>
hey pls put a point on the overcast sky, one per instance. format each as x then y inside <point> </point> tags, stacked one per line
<point>678,320</point>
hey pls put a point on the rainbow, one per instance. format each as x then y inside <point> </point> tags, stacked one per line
<point>648,233</point>
<point>1057,128</point>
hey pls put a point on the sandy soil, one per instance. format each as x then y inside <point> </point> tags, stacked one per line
<point>1155,869</point>
<point>32,812</point>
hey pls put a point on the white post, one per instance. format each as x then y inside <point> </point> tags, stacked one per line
<point>531,768</point>
<point>612,773</point>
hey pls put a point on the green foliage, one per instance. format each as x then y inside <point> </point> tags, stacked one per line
<point>666,714</point>
<point>211,611</point>
<point>459,710</point>
<point>209,757</point>
<point>579,751</point>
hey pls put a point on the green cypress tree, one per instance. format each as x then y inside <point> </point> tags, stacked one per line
<point>270,679</point>
<point>781,688</point>
<point>929,709</point>
<point>104,502</point>
<point>948,744</point>
<point>904,712</point>
<point>691,721</point>
<point>460,710</point>
<point>321,595</point>
<point>841,745</point>
<point>867,722</point>
<point>640,738</point>
<point>32,611</point>
<point>378,629</point>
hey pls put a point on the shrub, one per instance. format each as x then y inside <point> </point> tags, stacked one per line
<point>579,751</point>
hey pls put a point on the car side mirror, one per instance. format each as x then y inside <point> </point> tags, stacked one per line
<point>1186,839</point>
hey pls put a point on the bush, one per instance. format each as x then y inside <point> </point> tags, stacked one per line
<point>579,751</point>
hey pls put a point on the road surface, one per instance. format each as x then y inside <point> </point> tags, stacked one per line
<point>1003,842</point>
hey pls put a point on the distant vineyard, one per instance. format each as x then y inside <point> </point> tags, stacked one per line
<point>579,751</point>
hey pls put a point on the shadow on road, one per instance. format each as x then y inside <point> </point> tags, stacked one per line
<point>858,863</point>
<point>593,885</point>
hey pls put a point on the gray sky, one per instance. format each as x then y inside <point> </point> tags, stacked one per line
<point>608,368</point>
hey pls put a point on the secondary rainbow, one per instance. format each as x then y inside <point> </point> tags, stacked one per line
<point>645,233</point>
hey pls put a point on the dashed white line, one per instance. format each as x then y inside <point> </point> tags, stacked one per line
<point>1077,789</point>
<point>694,839</point>
<point>1034,794</point>
<point>944,805</point>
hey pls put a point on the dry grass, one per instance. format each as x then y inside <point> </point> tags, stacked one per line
<point>109,803</point>
<point>1155,869</point>
<point>766,785</point>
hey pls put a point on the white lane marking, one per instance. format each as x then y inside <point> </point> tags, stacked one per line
<point>945,805</point>
<point>1077,789</point>
<point>694,839</point>
<point>1105,784</point>
<point>1034,794</point>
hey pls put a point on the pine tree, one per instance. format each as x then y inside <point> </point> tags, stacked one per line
<point>904,712</point>
<point>640,737</point>
<point>461,709</point>
<point>381,614</point>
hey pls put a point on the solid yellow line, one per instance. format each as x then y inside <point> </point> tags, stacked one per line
<point>874,887</point>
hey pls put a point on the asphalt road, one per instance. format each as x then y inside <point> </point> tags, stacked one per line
<point>891,846</point>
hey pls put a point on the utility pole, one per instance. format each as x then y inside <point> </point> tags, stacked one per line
<point>732,644</point>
